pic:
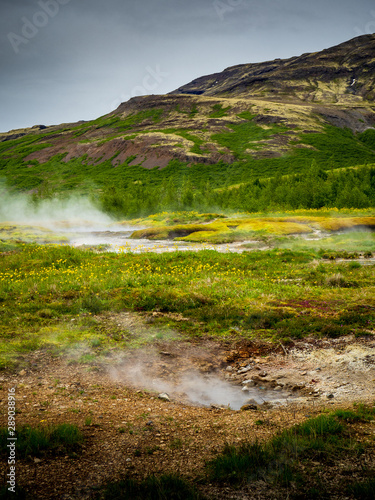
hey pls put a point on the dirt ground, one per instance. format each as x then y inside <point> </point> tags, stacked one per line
<point>129,430</point>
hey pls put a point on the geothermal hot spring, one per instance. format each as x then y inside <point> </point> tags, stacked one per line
<point>78,224</point>
<point>190,386</point>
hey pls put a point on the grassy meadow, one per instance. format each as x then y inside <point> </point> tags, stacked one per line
<point>54,295</point>
<point>65,300</point>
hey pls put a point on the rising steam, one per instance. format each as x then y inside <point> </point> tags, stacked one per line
<point>20,209</point>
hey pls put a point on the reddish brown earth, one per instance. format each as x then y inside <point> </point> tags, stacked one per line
<point>130,432</point>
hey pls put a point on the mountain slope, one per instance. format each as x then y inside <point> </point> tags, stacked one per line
<point>258,121</point>
<point>342,74</point>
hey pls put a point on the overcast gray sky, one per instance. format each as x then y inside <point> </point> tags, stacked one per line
<point>70,60</point>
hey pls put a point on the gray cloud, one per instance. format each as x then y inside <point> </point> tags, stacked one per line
<point>80,62</point>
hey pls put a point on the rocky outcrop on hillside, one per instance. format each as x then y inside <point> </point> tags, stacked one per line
<point>344,73</point>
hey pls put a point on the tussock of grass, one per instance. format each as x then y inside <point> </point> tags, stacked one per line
<point>361,413</point>
<point>279,460</point>
<point>337,281</point>
<point>364,490</point>
<point>20,494</point>
<point>35,441</point>
<point>152,488</point>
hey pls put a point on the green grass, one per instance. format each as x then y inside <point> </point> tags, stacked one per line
<point>128,122</point>
<point>364,490</point>
<point>20,494</point>
<point>250,295</point>
<point>246,135</point>
<point>334,246</point>
<point>197,141</point>
<point>152,488</point>
<point>368,138</point>
<point>289,457</point>
<point>125,190</point>
<point>219,111</point>
<point>35,441</point>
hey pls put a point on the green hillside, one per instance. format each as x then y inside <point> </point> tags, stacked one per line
<point>216,149</point>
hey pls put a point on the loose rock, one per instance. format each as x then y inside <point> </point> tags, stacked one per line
<point>249,407</point>
<point>164,396</point>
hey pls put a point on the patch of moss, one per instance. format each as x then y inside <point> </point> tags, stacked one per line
<point>30,234</point>
<point>274,227</point>
<point>178,231</point>
<point>336,224</point>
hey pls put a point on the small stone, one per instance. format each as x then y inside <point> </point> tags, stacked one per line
<point>244,370</point>
<point>248,381</point>
<point>37,460</point>
<point>229,368</point>
<point>251,402</point>
<point>22,373</point>
<point>244,354</point>
<point>128,460</point>
<point>164,396</point>
<point>249,407</point>
<point>297,387</point>
<point>263,374</point>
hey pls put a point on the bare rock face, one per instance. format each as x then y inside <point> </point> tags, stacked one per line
<point>347,69</point>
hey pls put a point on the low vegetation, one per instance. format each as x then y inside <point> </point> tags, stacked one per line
<point>37,441</point>
<point>328,167</point>
<point>227,229</point>
<point>323,457</point>
<point>152,488</point>
<point>55,295</point>
<point>305,456</point>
